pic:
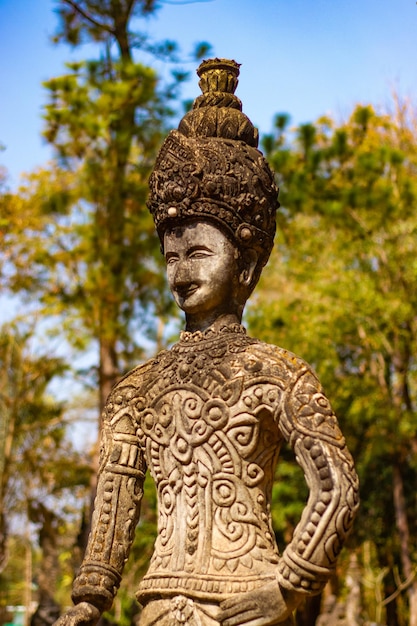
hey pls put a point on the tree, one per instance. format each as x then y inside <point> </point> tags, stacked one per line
<point>342,292</point>
<point>41,468</point>
<point>108,115</point>
<point>105,118</point>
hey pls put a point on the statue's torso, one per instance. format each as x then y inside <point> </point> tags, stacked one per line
<point>207,419</point>
<point>207,413</point>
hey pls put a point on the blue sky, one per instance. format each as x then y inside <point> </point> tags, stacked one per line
<point>304,57</point>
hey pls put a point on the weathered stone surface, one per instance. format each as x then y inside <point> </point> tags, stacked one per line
<point>207,418</point>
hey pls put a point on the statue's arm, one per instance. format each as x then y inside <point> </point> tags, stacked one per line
<point>115,516</point>
<point>307,421</point>
<point>309,424</point>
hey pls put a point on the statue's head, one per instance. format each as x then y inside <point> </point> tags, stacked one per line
<point>210,171</point>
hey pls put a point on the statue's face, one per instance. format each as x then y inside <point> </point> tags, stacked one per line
<point>202,269</point>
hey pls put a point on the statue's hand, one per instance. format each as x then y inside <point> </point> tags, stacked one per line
<point>82,614</point>
<point>262,607</point>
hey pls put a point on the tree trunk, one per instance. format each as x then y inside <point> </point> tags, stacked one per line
<point>390,588</point>
<point>3,432</point>
<point>404,536</point>
<point>108,370</point>
<point>108,376</point>
<point>48,609</point>
<point>308,613</point>
<point>7,418</point>
<point>401,400</point>
<point>391,610</point>
<point>353,600</point>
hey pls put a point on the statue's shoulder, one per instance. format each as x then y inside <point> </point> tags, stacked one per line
<point>135,378</point>
<point>129,389</point>
<point>279,359</point>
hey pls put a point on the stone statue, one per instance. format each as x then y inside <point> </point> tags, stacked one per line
<point>207,418</point>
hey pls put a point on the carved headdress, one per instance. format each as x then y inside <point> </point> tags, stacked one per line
<point>210,167</point>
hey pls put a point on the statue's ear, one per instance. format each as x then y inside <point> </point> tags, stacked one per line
<point>250,260</point>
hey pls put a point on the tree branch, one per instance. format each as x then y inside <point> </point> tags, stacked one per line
<point>90,19</point>
<point>185,1</point>
<point>130,7</point>
<point>400,589</point>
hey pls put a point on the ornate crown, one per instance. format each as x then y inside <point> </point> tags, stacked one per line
<point>210,167</point>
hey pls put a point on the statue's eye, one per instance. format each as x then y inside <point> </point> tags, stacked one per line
<point>200,253</point>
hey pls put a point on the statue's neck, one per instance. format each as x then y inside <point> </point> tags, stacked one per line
<point>228,319</point>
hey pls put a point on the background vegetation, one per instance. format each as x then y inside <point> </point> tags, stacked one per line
<point>79,260</point>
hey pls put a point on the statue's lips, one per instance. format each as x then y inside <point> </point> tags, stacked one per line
<point>186,292</point>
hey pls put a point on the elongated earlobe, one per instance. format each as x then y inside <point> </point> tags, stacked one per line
<point>250,261</point>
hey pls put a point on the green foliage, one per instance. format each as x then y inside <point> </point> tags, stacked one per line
<point>12,582</point>
<point>88,108</point>
<point>91,20</point>
<point>41,471</point>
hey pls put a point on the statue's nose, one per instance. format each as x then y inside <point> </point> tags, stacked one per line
<point>182,274</point>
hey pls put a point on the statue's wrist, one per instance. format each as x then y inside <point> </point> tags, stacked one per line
<point>301,577</point>
<point>96,584</point>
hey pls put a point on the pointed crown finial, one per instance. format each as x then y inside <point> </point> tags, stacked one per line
<point>218,75</point>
